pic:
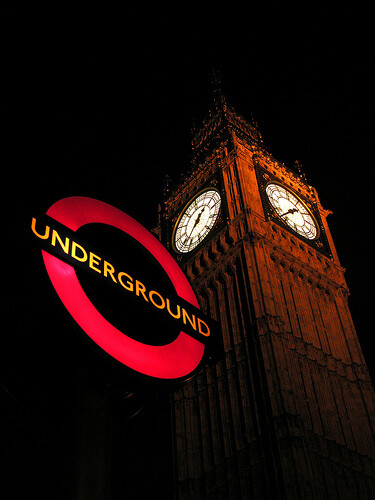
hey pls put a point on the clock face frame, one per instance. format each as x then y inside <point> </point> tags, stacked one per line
<point>197,220</point>
<point>292,211</point>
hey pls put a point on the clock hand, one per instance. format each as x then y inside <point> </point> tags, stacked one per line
<point>199,217</point>
<point>197,220</point>
<point>290,211</point>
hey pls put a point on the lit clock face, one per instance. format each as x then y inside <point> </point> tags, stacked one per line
<point>197,220</point>
<point>292,211</point>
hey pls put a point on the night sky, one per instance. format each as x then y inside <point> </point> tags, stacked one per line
<point>92,108</point>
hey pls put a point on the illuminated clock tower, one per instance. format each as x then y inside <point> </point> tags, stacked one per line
<point>288,410</point>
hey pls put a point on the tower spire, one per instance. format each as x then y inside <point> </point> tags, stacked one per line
<point>219,99</point>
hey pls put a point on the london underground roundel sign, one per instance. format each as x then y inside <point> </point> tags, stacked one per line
<point>175,360</point>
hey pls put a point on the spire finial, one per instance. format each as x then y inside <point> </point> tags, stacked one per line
<point>217,89</point>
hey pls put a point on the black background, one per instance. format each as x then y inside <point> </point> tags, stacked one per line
<point>100,103</point>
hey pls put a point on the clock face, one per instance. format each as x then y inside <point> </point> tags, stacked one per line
<point>292,211</point>
<point>196,220</point>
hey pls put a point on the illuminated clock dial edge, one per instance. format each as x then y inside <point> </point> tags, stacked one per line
<point>292,211</point>
<point>196,220</point>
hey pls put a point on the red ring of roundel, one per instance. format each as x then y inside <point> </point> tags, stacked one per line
<point>172,361</point>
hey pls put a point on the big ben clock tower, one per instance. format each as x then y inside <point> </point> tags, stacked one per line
<point>288,410</point>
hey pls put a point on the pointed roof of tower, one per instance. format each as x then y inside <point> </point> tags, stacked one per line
<point>221,123</point>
